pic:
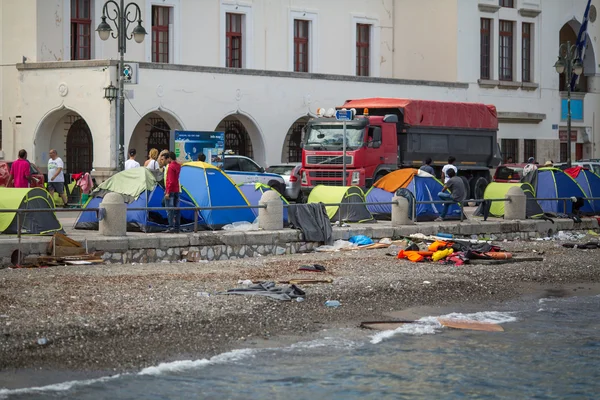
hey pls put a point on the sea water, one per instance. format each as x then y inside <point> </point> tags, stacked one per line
<point>550,349</point>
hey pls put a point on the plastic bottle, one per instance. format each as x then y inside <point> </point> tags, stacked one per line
<point>332,303</point>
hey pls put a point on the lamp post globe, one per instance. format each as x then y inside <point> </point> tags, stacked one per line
<point>139,33</point>
<point>560,65</point>
<point>104,29</point>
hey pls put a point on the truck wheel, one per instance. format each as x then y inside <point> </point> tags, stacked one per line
<point>378,177</point>
<point>478,185</point>
<point>467,187</point>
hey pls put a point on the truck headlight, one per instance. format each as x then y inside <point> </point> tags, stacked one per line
<point>304,180</point>
<point>355,177</point>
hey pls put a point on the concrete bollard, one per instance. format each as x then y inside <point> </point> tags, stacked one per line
<point>401,212</point>
<point>517,206</point>
<point>114,215</point>
<point>271,217</point>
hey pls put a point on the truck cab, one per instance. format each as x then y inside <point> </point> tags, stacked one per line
<point>370,146</point>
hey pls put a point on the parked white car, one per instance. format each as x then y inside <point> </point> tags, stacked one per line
<point>245,170</point>
<point>291,175</point>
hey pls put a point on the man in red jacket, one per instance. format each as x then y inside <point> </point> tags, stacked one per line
<point>172,192</point>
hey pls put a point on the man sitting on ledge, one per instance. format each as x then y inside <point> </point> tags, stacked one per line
<point>457,192</point>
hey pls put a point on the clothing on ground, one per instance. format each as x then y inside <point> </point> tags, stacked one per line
<point>428,169</point>
<point>131,164</point>
<point>20,172</point>
<point>445,171</point>
<point>312,220</point>
<point>53,166</point>
<point>457,188</point>
<point>268,289</point>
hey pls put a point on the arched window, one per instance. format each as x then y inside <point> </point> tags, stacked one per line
<point>295,139</point>
<point>159,136</point>
<point>79,148</point>
<point>236,137</point>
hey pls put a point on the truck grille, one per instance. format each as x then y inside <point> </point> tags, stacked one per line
<point>326,183</point>
<point>328,160</point>
<point>326,174</point>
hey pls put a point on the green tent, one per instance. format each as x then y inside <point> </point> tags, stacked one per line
<point>497,190</point>
<point>38,223</point>
<point>352,199</point>
<point>130,183</point>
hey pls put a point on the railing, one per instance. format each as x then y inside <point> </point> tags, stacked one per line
<point>196,210</point>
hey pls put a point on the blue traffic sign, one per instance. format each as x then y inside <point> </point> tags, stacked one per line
<point>343,115</point>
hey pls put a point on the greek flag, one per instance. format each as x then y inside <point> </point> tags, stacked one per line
<point>581,41</point>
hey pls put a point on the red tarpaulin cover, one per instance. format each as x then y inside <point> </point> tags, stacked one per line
<point>574,171</point>
<point>435,113</point>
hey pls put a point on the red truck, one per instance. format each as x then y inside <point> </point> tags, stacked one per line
<point>388,134</point>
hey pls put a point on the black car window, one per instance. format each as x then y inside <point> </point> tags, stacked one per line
<point>231,164</point>
<point>506,173</point>
<point>248,166</point>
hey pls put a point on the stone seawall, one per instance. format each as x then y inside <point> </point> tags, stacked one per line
<point>222,245</point>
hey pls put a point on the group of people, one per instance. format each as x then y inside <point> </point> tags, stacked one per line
<point>452,183</point>
<point>20,174</point>
<point>165,161</point>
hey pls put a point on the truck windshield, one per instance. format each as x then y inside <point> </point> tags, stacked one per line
<point>333,136</point>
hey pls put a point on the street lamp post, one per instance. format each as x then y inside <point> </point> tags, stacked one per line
<point>568,61</point>
<point>122,16</point>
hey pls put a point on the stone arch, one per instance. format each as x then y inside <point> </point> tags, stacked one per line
<point>292,150</point>
<point>68,132</point>
<point>243,137</point>
<point>153,131</point>
<point>568,33</point>
<point>80,145</point>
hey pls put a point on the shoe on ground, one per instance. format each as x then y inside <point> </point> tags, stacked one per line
<point>438,219</point>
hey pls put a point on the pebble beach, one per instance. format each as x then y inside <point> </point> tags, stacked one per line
<point>121,318</point>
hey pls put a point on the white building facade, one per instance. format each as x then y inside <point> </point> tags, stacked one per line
<point>259,69</point>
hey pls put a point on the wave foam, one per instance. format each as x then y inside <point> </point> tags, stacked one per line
<point>492,317</point>
<point>57,387</point>
<point>423,326</point>
<point>183,365</point>
<point>332,342</point>
<point>430,325</point>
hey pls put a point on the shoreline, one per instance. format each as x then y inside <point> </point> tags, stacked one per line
<point>106,320</point>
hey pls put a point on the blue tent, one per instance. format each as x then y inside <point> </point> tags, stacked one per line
<point>139,188</point>
<point>555,183</point>
<point>589,182</point>
<point>208,186</point>
<point>253,193</point>
<point>423,186</point>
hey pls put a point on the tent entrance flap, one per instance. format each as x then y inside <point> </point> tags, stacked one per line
<point>350,200</point>
<point>32,223</point>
